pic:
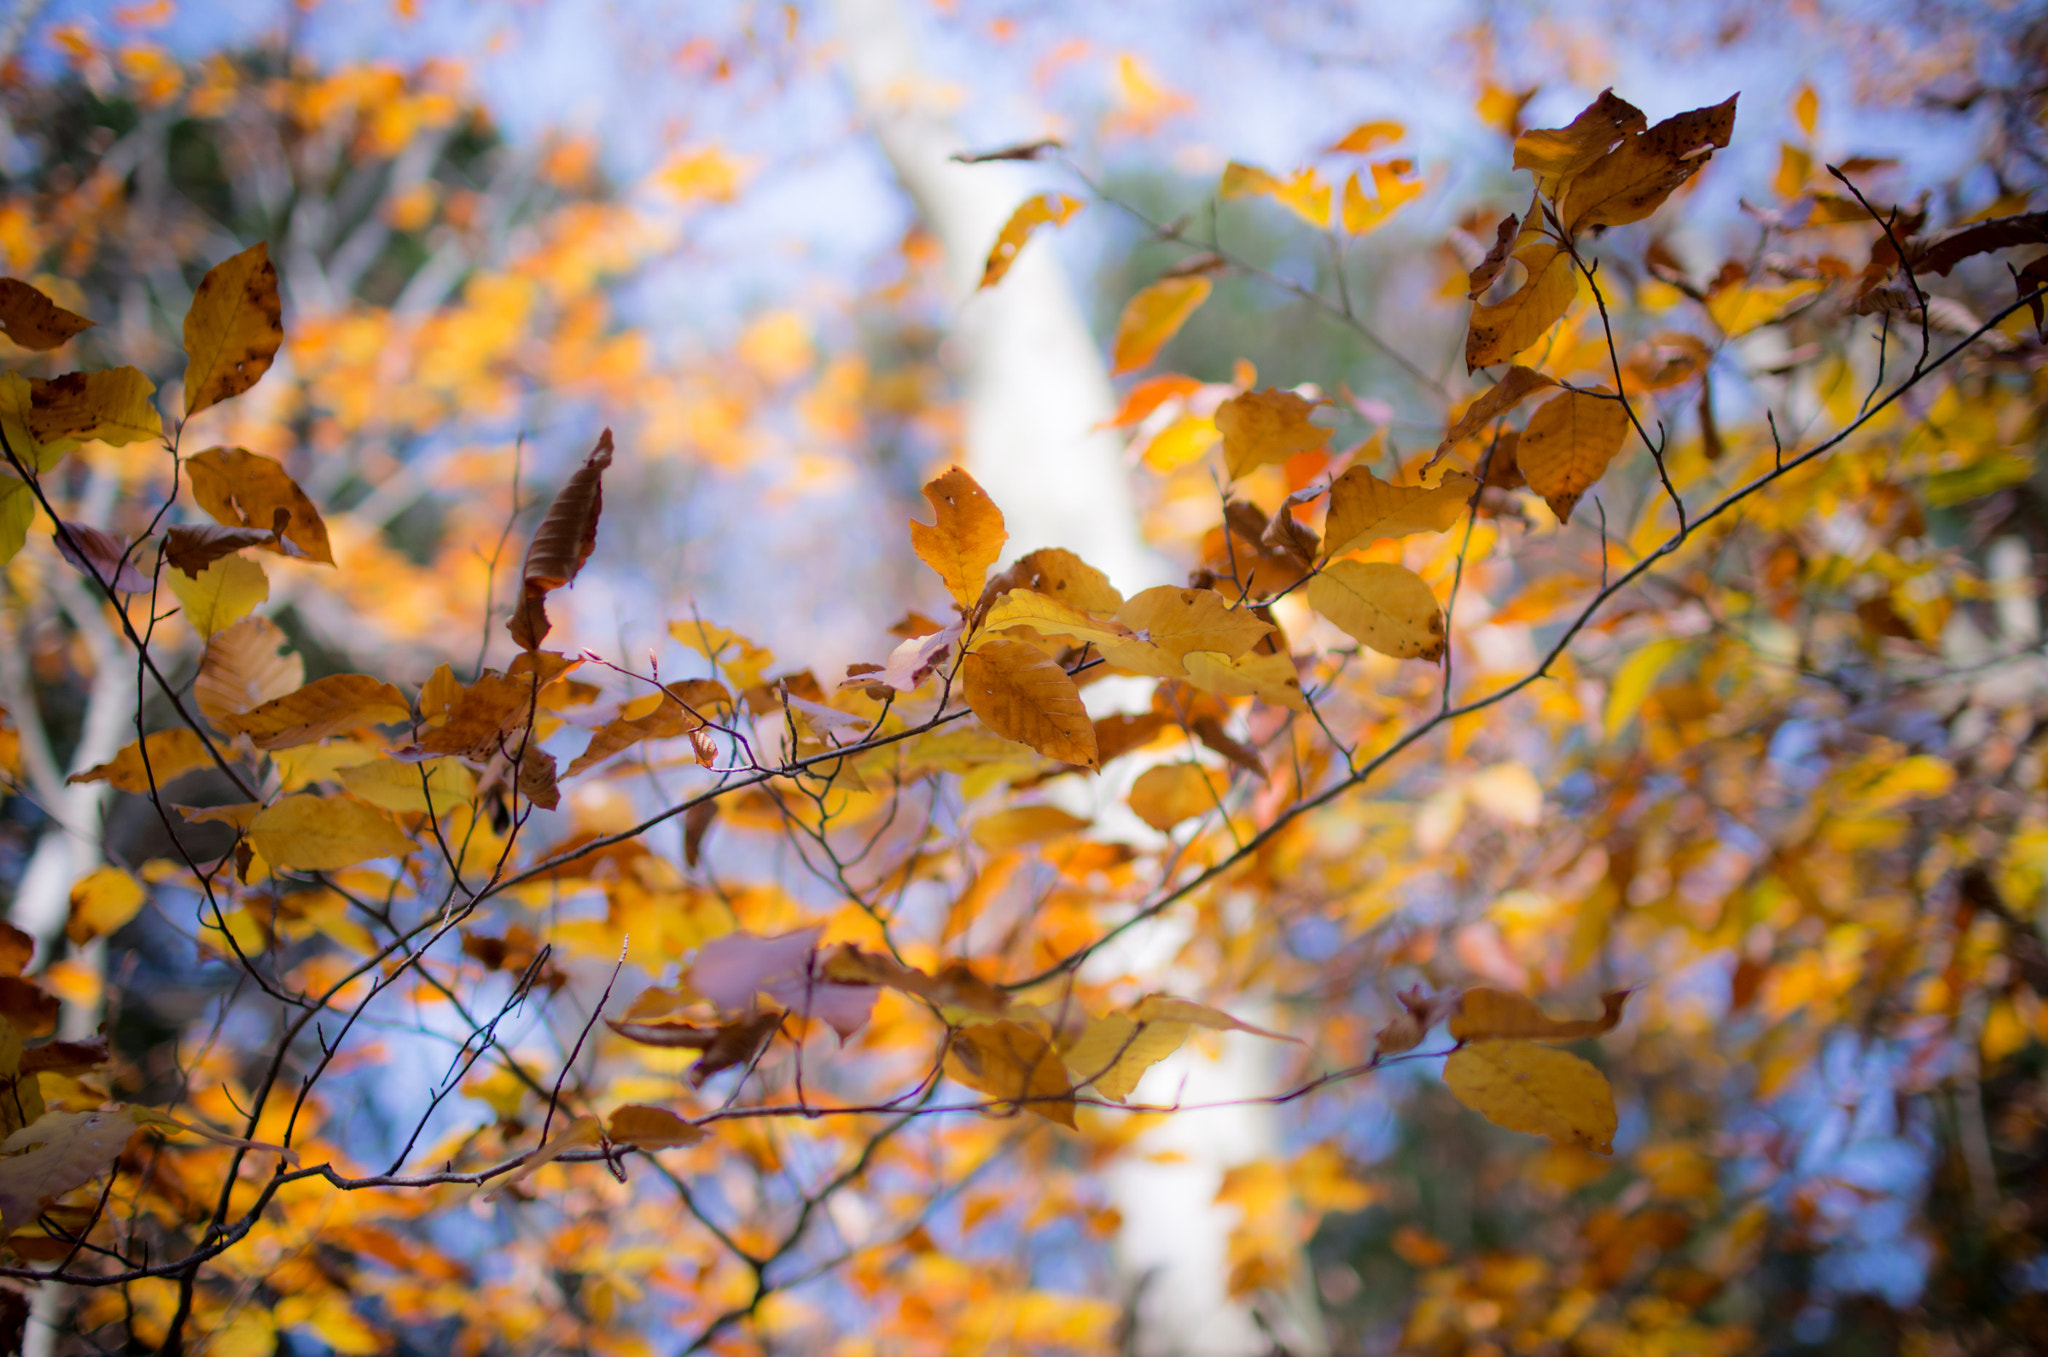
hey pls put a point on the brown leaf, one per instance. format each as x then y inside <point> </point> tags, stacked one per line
<point>674,712</point>
<point>954,987</point>
<point>243,489</point>
<point>1209,730</point>
<point>537,777</point>
<point>1489,268</point>
<point>651,1128</point>
<point>1120,734</point>
<point>324,707</point>
<point>1497,333</point>
<point>242,669</point>
<point>697,822</point>
<point>16,949</point>
<point>1569,443</point>
<point>965,537</point>
<point>234,329</point>
<point>65,1057</point>
<point>480,714</point>
<point>193,547</point>
<point>1419,1013</point>
<point>1554,154</point>
<point>1022,695</point>
<point>31,1008</point>
<point>1631,181</point>
<point>101,557</point>
<point>1514,387</point>
<point>563,543</point>
<point>33,320</point>
<point>1492,1015</point>
<point>735,1043</point>
<point>1943,251</point>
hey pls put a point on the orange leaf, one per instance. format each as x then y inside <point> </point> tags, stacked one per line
<point>965,537</point>
<point>1264,428</point>
<point>33,320</point>
<point>1023,696</point>
<point>243,489</point>
<point>1154,316</point>
<point>1046,208</point>
<point>1568,444</point>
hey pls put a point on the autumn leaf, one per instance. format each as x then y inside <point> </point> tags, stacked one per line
<point>1153,317</point>
<point>1555,154</point>
<point>1384,606</point>
<point>563,543</point>
<point>171,753</point>
<point>1304,193</point>
<point>437,785</point>
<point>324,834</point>
<point>578,1134</point>
<point>481,714</point>
<point>242,489</point>
<point>191,547</point>
<point>1181,620</point>
<point>1944,250</point>
<point>1568,444</point>
<point>1392,189</point>
<point>1522,1086</point>
<point>1060,574</point>
<point>1262,428</point>
<point>1496,333</point>
<point>1270,678</point>
<point>1027,608</point>
<point>674,711</point>
<point>1045,209</point>
<point>112,406</point>
<point>956,989</point>
<point>1631,181</point>
<point>965,537</point>
<point>1516,385</point>
<point>1405,1031</point>
<point>1114,1051</point>
<point>242,669</point>
<point>1013,1063</point>
<point>234,329</point>
<point>101,902</point>
<point>1022,695</point>
<point>220,595</point>
<point>1506,235</point>
<point>1016,826</point>
<point>32,320</point>
<point>1365,509</point>
<point>324,707</point>
<point>1168,793</point>
<point>1490,1015</point>
<point>1368,137</point>
<point>17,512</point>
<point>100,556</point>
<point>651,1128</point>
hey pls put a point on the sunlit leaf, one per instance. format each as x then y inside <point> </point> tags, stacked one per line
<point>965,537</point>
<point>1168,793</point>
<point>1011,1062</point>
<point>234,329</point>
<point>1022,695</point>
<point>220,595</point>
<point>1387,607</point>
<point>1032,213</point>
<point>1153,317</point>
<point>1262,428</point>
<point>1365,509</point>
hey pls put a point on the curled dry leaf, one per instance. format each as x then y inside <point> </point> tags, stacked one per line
<point>1496,259</point>
<point>1023,696</point>
<point>243,489</point>
<point>564,542</point>
<point>32,320</point>
<point>101,557</point>
<point>965,537</point>
<point>191,547</point>
<point>652,1128</point>
<point>1419,1013</point>
<point>1514,387</point>
<point>234,329</point>
<point>578,1134</point>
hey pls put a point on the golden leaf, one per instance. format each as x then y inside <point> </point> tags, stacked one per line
<point>1114,1051</point>
<point>1270,678</point>
<point>1555,154</point>
<point>324,707</point>
<point>1364,508</point>
<point>1008,1060</point>
<point>233,330</point>
<point>1180,621</point>
<point>1526,1087</point>
<point>583,1131</point>
<point>17,512</point>
<point>1514,387</point>
<point>32,320</point>
<point>1368,137</point>
<point>112,406</point>
<point>1167,1008</point>
<point>480,713</point>
<point>1153,317</point>
<point>676,710</point>
<point>1629,182</point>
<point>222,594</point>
<point>242,669</point>
<point>652,1128</point>
<point>438,785</point>
<point>1491,1015</point>
<point>1015,826</point>
<point>1168,793</point>
<point>1387,607</point>
<point>1032,213</point>
<point>324,834</point>
<point>1304,193</point>
<point>1497,333</point>
<point>1392,190</point>
<point>1046,616</point>
<point>562,544</point>
<point>1021,695</point>
<point>1568,444</point>
<point>1060,574</point>
<point>101,902</point>
<point>965,536</point>
<point>246,490</point>
<point>171,753</point>
<point>1264,428</point>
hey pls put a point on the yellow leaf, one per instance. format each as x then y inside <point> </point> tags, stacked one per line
<point>1168,793</point>
<point>1154,316</point>
<point>243,669</point>
<point>1806,108</point>
<point>392,784</point>
<point>171,752</point>
<point>1392,190</point>
<point>1182,620</point>
<point>324,834</point>
<point>101,903</point>
<point>1491,1015</point>
<point>1509,792</point>
<point>33,320</point>
<point>1384,606</point>
<point>1526,1087</point>
<point>1008,1060</point>
<point>222,594</point>
<point>1368,137</point>
<point>1113,1052</point>
<point>246,490</point>
<point>1188,439</point>
<point>112,406</point>
<point>1568,444</point>
<point>1634,680</point>
<point>233,330</point>
<point>1742,308</point>
<point>744,663</point>
<point>1017,826</point>
<point>1060,574</point>
<point>1497,333</point>
<point>15,400</point>
<point>1021,695</point>
<point>1304,194</point>
<point>1264,428</point>
<point>1167,1008</point>
<point>1046,208</point>
<point>1365,509</point>
<point>652,1128</point>
<point>1795,166</point>
<point>17,511</point>
<point>965,537</point>
<point>1270,678</point>
<point>1048,617</point>
<point>324,707</point>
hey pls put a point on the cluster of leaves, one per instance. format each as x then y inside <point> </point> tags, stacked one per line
<point>388,853</point>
